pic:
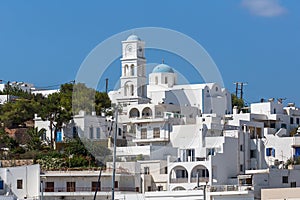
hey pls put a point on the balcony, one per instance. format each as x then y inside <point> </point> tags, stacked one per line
<point>201,179</point>
<point>86,189</point>
<point>65,189</point>
<point>178,180</point>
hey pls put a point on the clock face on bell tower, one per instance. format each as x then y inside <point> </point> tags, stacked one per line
<point>129,50</point>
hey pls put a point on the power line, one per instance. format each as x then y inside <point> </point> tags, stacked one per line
<point>239,89</point>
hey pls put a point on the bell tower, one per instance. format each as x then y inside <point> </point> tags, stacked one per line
<point>133,79</point>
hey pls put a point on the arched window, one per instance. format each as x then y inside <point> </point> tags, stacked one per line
<point>132,90</point>
<point>125,70</point>
<point>147,112</point>
<point>132,70</point>
<point>134,113</point>
<point>166,80</point>
<point>156,80</point>
<point>125,89</point>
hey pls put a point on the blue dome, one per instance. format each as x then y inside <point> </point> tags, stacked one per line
<point>133,38</point>
<point>162,68</point>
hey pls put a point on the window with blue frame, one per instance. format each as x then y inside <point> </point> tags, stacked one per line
<point>297,152</point>
<point>270,152</point>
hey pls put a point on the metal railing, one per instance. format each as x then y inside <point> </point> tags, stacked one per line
<point>179,180</point>
<point>86,189</point>
<point>201,179</point>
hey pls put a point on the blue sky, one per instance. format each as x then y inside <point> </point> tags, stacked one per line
<point>254,41</point>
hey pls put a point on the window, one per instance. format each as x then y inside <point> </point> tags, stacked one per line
<point>241,168</point>
<point>71,186</point>
<point>125,70</point>
<point>20,184</point>
<point>298,121</point>
<point>125,90</point>
<point>49,187</point>
<point>119,132</point>
<point>211,151</point>
<point>272,125</point>
<point>291,120</point>
<point>98,132</point>
<point>274,111</point>
<point>285,179</point>
<point>166,80</point>
<point>166,170</point>
<point>132,70</point>
<point>217,89</point>
<point>75,131</point>
<point>241,148</point>
<point>252,154</point>
<point>132,90</point>
<point>293,184</point>
<point>245,182</point>
<point>149,188</point>
<point>116,184</point>
<point>1,185</point>
<point>160,188</point>
<point>143,133</point>
<point>156,132</point>
<point>283,126</point>
<point>91,132</point>
<point>44,136</point>
<point>156,80</point>
<point>270,152</point>
<point>95,185</point>
<point>146,170</point>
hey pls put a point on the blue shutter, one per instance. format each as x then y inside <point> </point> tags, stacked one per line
<point>297,151</point>
<point>58,137</point>
<point>268,152</point>
<point>1,185</point>
<point>273,152</point>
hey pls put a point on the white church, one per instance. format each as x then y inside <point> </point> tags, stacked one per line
<point>162,87</point>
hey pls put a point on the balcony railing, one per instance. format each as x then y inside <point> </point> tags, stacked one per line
<point>201,179</point>
<point>179,180</point>
<point>224,188</point>
<point>86,189</point>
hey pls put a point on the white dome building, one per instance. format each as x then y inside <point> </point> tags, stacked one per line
<point>163,75</point>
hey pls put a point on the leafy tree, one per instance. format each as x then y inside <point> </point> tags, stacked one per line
<point>15,114</point>
<point>88,99</point>
<point>35,142</point>
<point>57,109</point>
<point>102,102</point>
<point>6,141</point>
<point>237,102</point>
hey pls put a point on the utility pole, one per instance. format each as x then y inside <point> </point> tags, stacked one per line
<point>239,89</point>
<point>106,85</point>
<point>114,155</point>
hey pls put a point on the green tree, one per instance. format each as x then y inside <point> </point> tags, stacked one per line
<point>15,114</point>
<point>6,141</point>
<point>237,102</point>
<point>35,139</point>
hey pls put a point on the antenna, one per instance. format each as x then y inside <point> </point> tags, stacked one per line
<point>239,89</point>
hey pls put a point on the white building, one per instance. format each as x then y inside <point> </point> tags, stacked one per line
<point>20,182</point>
<point>44,93</point>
